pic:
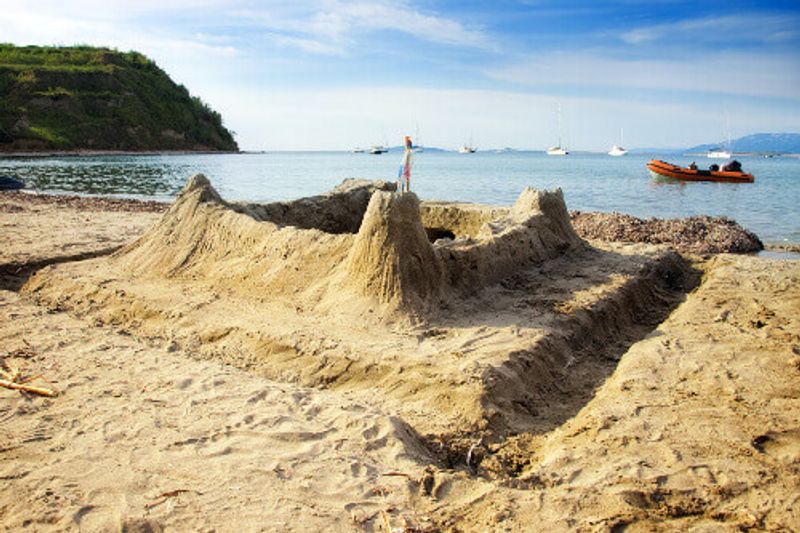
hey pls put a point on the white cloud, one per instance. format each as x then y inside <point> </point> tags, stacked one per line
<point>311,46</point>
<point>45,26</point>
<point>750,74</point>
<point>111,9</point>
<point>401,17</point>
<point>734,29</point>
<point>328,26</point>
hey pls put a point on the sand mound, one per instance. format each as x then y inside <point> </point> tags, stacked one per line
<point>234,248</point>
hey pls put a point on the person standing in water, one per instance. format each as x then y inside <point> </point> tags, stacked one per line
<point>404,174</point>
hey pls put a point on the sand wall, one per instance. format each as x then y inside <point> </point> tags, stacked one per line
<point>460,219</point>
<point>339,211</point>
<point>536,228</point>
<point>203,239</point>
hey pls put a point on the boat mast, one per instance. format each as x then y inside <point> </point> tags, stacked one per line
<point>558,114</point>
<point>728,133</point>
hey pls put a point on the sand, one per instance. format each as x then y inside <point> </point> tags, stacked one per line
<point>585,391</point>
<point>38,230</point>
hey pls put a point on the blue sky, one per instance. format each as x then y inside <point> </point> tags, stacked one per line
<point>333,74</point>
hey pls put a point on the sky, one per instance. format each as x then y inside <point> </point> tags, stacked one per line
<point>336,74</point>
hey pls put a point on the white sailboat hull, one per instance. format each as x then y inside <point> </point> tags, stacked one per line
<point>557,150</point>
<point>617,151</point>
<point>719,154</point>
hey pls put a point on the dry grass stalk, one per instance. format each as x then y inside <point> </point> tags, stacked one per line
<point>386,522</point>
<point>26,388</point>
<point>396,473</point>
<point>161,498</point>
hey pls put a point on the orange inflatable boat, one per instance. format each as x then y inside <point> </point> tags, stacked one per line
<point>667,170</point>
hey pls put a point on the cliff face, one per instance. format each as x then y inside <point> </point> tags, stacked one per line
<point>66,98</point>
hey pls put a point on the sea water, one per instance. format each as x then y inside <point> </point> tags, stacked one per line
<point>770,207</point>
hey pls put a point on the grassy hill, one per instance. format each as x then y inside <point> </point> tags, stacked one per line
<point>67,98</point>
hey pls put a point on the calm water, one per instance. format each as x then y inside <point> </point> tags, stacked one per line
<point>591,182</point>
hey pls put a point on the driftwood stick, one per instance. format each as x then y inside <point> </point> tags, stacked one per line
<point>27,388</point>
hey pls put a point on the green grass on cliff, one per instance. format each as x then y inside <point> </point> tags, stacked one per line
<point>66,98</point>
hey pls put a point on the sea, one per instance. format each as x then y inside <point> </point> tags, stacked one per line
<point>770,207</point>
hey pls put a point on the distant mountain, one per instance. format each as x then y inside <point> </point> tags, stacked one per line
<point>759,142</point>
<point>425,148</point>
<point>81,97</point>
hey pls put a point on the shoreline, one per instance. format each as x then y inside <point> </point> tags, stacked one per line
<point>96,153</point>
<point>685,234</point>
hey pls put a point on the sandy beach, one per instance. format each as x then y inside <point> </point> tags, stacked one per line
<point>245,367</point>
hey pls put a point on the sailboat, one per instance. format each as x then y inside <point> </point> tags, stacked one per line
<point>718,153</point>
<point>617,150</point>
<point>557,149</point>
<point>468,148</point>
<point>722,153</point>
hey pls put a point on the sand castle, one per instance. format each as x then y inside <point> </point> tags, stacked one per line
<point>363,239</point>
<point>464,318</point>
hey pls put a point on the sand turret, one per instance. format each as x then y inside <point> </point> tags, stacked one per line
<point>200,185</point>
<point>391,258</point>
<point>549,203</point>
